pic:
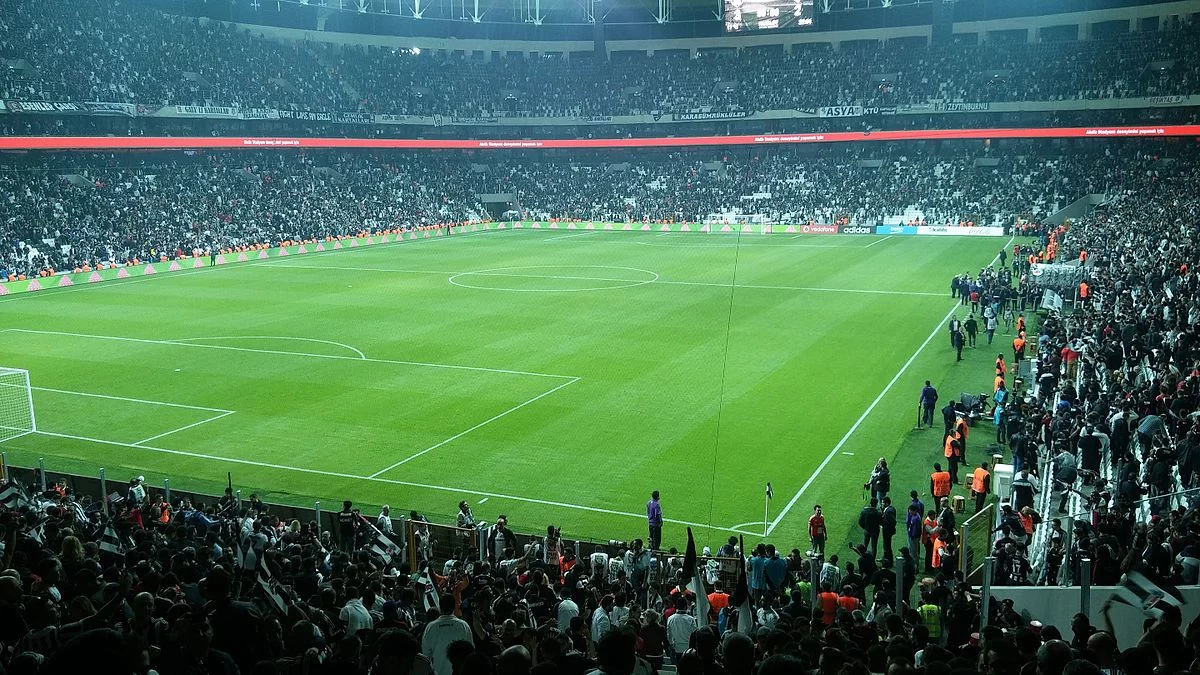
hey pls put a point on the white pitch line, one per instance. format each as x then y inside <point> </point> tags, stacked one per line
<point>815,289</point>
<point>275,337</point>
<point>388,481</point>
<point>567,236</point>
<point>132,400</point>
<point>484,423</point>
<point>482,501</point>
<point>184,428</point>
<point>880,241</point>
<point>287,353</point>
<point>832,453</point>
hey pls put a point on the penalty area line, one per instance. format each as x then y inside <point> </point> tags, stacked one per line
<point>184,428</point>
<point>388,481</point>
<point>482,424</point>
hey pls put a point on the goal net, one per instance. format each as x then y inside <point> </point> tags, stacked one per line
<point>16,404</point>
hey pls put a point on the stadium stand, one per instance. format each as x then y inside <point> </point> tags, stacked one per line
<point>126,208</point>
<point>1116,392</point>
<point>140,56</point>
<point>143,583</point>
<point>1106,424</point>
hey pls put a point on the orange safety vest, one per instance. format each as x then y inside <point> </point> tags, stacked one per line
<point>930,521</point>
<point>961,427</point>
<point>1082,256</point>
<point>979,480</point>
<point>948,445</point>
<point>1020,324</point>
<point>828,602</point>
<point>996,385</point>
<point>1000,367</point>
<point>941,484</point>
<point>937,554</point>
<point>1018,344</point>
<point>1083,290</point>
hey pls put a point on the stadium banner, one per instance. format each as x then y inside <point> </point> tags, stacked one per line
<point>709,116</point>
<point>962,107</point>
<point>259,114</point>
<point>856,229</point>
<point>1052,301</point>
<point>954,231</point>
<point>209,111</point>
<point>520,119</point>
<point>895,229</point>
<point>85,278</point>
<point>65,108</point>
<point>841,111</point>
<point>181,142</point>
<point>336,118</point>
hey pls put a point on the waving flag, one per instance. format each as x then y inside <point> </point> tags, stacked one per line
<point>694,579</point>
<point>741,594</point>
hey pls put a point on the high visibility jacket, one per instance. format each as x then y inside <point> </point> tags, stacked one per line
<point>937,553</point>
<point>979,480</point>
<point>941,484</point>
<point>952,446</point>
<point>1027,523</point>
<point>1001,369</point>
<point>930,523</point>
<point>931,615</point>
<point>1083,290</point>
<point>1020,323</point>
<point>1018,344</point>
<point>996,384</point>
<point>828,602</point>
<point>961,427</point>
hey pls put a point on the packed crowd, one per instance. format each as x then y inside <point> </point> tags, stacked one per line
<point>1108,432</point>
<point>112,210</point>
<point>225,587</point>
<point>118,52</point>
<point>146,585</point>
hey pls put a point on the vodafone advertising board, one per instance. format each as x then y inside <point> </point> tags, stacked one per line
<point>857,229</point>
<point>819,229</point>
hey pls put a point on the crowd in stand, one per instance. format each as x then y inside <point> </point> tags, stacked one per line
<point>118,52</point>
<point>224,587</point>
<point>113,210</point>
<point>1111,422</point>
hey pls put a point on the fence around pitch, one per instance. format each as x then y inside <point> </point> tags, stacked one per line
<point>975,542</point>
<point>444,539</point>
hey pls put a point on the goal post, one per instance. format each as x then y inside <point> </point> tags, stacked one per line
<point>16,404</point>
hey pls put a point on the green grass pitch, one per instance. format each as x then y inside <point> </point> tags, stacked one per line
<point>557,378</point>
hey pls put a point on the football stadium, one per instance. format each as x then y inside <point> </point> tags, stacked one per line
<point>390,337</point>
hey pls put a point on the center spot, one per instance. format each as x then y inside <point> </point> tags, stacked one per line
<point>554,278</point>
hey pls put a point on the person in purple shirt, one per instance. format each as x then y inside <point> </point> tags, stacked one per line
<point>654,519</point>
